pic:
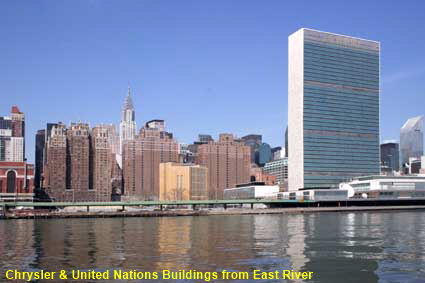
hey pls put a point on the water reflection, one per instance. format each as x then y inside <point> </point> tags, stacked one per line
<point>348,247</point>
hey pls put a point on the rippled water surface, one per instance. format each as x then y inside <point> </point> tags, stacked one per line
<point>337,247</point>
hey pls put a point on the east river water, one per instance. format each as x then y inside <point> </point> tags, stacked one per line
<point>336,247</point>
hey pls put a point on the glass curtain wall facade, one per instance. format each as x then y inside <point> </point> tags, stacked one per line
<point>333,98</point>
<point>411,139</point>
<point>390,157</point>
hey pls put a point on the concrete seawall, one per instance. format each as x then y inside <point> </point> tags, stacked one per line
<point>44,214</point>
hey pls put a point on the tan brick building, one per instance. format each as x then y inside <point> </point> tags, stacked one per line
<point>80,164</point>
<point>141,159</point>
<point>102,160</point>
<point>55,176</point>
<point>228,163</point>
<point>180,181</point>
<point>78,139</point>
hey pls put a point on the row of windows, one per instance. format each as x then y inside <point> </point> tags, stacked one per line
<point>319,177</point>
<point>329,60</point>
<point>337,163</point>
<point>359,45</point>
<point>335,88</point>
<point>348,78</point>
<point>367,50</point>
<point>311,145</point>
<point>354,72</point>
<point>363,116</point>
<point>359,116</point>
<point>333,107</point>
<point>308,125</point>
<point>333,153</point>
<point>314,119</point>
<point>341,168</point>
<point>362,158</point>
<point>338,94</point>
<point>337,158</point>
<point>319,111</point>
<point>345,54</point>
<point>358,73</point>
<point>312,47</point>
<point>347,72</point>
<point>342,140</point>
<point>330,64</point>
<point>334,129</point>
<point>314,63</point>
<point>337,80</point>
<point>341,148</point>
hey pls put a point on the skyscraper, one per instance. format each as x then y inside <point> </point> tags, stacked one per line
<point>101,162</point>
<point>228,163</point>
<point>55,164</point>
<point>78,141</point>
<point>390,160</point>
<point>40,139</point>
<point>411,139</point>
<point>333,101</point>
<point>254,142</point>
<point>128,122</point>
<point>263,154</point>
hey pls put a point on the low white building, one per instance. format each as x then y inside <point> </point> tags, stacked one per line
<point>254,191</point>
<point>392,187</point>
<point>316,195</point>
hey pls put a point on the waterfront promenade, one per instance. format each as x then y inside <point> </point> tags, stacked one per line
<point>247,207</point>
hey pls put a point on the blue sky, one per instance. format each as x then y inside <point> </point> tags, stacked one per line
<point>204,66</point>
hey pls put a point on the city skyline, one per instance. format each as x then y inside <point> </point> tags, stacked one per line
<point>193,70</point>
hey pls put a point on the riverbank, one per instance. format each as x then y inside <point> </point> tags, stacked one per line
<point>44,214</point>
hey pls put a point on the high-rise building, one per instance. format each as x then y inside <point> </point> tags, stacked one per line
<point>390,157</point>
<point>254,142</point>
<point>12,136</point>
<point>113,137</point>
<point>79,163</point>
<point>128,122</point>
<point>40,140</point>
<point>5,136</point>
<point>16,176</point>
<point>278,168</point>
<point>263,154</point>
<point>333,108</point>
<point>141,159</point>
<point>277,153</point>
<point>228,163</point>
<point>411,139</point>
<point>180,181</point>
<point>101,162</point>
<point>55,164</point>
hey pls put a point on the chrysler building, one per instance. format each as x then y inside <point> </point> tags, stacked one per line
<point>128,122</point>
